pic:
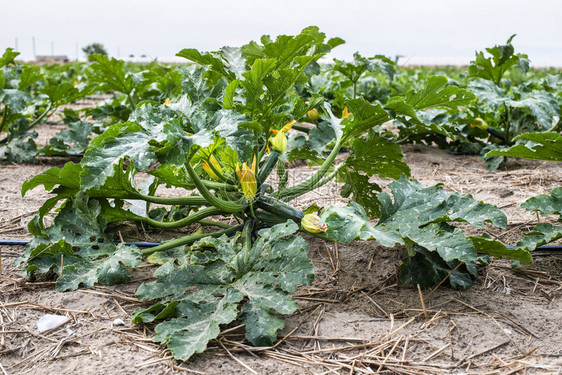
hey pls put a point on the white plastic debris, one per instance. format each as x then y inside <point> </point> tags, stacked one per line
<point>48,322</point>
<point>118,322</point>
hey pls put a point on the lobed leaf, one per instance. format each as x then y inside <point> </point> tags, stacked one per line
<point>207,289</point>
<point>539,146</point>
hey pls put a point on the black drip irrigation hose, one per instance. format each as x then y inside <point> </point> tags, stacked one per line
<point>10,242</point>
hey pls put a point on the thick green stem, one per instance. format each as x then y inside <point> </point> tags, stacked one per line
<point>215,224</point>
<point>4,117</point>
<point>218,185</point>
<point>189,240</point>
<point>329,177</point>
<point>227,206</point>
<point>194,200</point>
<point>131,101</point>
<point>308,185</point>
<point>507,141</point>
<point>41,117</point>
<point>246,259</point>
<point>193,218</point>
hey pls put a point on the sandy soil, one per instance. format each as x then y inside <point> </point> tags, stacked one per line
<point>355,319</point>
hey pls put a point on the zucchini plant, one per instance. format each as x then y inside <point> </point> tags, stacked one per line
<point>241,251</point>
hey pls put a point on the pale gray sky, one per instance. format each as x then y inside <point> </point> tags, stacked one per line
<point>432,31</point>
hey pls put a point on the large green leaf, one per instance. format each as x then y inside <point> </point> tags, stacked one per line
<point>219,281</point>
<point>376,155</point>
<point>546,204</point>
<point>66,92</point>
<point>285,48</point>
<point>109,74</point>
<point>73,140</point>
<point>15,100</point>
<point>542,105</point>
<point>435,93</point>
<point>77,242</point>
<point>98,163</point>
<point>537,145</point>
<point>8,57</point>
<point>365,116</point>
<point>361,190</point>
<point>109,270</point>
<point>212,59</point>
<point>427,268</point>
<point>420,215</point>
<point>540,235</point>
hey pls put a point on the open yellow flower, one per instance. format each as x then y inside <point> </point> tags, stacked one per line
<point>247,177</point>
<point>311,223</point>
<point>345,113</point>
<point>279,141</point>
<point>207,168</point>
<point>167,101</point>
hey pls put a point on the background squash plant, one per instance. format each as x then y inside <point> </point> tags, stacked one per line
<point>220,141</point>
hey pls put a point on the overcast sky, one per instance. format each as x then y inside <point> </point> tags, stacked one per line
<point>433,31</point>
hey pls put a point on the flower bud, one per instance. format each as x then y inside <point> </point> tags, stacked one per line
<point>310,223</point>
<point>207,168</point>
<point>279,141</point>
<point>345,113</point>
<point>313,114</point>
<point>247,179</point>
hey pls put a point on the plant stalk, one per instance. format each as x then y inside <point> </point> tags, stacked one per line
<point>308,185</point>
<point>189,240</point>
<point>194,200</point>
<point>227,206</point>
<point>36,121</point>
<point>193,218</point>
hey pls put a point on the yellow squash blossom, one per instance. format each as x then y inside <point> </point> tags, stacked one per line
<point>247,177</point>
<point>279,141</point>
<point>313,114</point>
<point>345,113</point>
<point>207,168</point>
<point>167,101</point>
<point>311,223</point>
